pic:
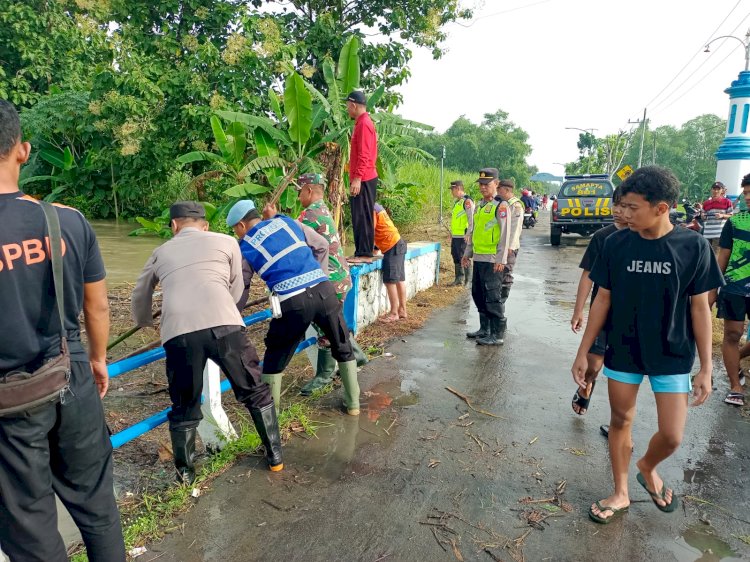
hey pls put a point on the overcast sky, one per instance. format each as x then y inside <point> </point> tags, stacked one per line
<point>553,64</point>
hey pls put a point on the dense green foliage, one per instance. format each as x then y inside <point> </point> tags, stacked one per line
<point>689,151</point>
<point>134,83</point>
<point>496,142</point>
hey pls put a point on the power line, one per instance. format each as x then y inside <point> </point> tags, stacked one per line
<point>699,81</point>
<point>700,50</point>
<point>677,89</point>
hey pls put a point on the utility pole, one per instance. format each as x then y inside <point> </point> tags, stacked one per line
<point>442,160</point>
<point>653,152</point>
<point>643,123</point>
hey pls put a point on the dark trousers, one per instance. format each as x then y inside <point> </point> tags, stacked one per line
<point>458,246</point>
<point>318,304</point>
<point>62,448</point>
<point>486,290</point>
<point>508,273</point>
<point>363,220</point>
<point>229,348</point>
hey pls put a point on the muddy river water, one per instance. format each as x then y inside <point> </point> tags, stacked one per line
<point>124,256</point>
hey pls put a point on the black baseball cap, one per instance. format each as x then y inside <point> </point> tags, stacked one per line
<point>717,185</point>
<point>357,97</point>
<point>187,210</point>
<point>457,183</point>
<point>507,183</point>
<point>486,175</point>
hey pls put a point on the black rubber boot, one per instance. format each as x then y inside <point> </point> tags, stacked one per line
<point>267,425</point>
<point>494,337</point>
<point>467,275</point>
<point>459,280</point>
<point>503,327</point>
<point>484,325</point>
<point>183,449</point>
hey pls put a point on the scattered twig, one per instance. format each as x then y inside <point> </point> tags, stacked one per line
<point>368,431</point>
<point>383,557</point>
<point>470,405</point>
<point>456,552</point>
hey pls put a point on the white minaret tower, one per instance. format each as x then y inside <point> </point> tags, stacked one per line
<point>733,156</point>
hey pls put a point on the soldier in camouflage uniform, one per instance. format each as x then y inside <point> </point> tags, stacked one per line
<point>317,216</point>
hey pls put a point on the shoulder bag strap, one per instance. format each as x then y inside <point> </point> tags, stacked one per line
<point>55,242</point>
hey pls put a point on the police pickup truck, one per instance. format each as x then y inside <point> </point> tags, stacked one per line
<point>583,206</point>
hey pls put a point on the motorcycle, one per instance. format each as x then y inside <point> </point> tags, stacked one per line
<point>692,219</point>
<point>529,218</point>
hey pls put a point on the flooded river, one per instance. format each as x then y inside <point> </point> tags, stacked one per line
<point>124,256</point>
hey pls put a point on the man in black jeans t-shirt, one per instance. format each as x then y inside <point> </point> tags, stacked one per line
<point>654,281</point>
<point>61,448</point>
<point>582,397</point>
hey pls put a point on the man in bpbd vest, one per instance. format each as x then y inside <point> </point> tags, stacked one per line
<point>462,221</point>
<point>292,259</point>
<point>490,235</point>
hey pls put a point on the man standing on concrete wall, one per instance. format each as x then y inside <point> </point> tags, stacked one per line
<point>363,177</point>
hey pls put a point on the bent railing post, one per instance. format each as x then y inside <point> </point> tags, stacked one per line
<point>215,428</point>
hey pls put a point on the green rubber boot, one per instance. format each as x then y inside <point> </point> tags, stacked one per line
<point>467,275</point>
<point>348,372</point>
<point>323,372</point>
<point>274,381</point>
<point>359,355</point>
<point>459,280</point>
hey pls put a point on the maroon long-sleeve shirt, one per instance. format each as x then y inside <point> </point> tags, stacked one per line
<point>364,149</point>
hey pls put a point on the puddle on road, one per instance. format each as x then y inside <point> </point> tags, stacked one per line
<point>694,476</point>
<point>700,543</point>
<point>332,454</point>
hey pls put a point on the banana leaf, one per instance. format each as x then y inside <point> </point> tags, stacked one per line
<point>348,69</point>
<point>298,108</point>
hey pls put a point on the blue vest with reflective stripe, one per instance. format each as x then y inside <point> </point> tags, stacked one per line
<point>277,251</point>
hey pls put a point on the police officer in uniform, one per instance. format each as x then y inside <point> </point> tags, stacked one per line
<point>280,250</point>
<point>491,233</point>
<point>462,220</point>
<point>201,278</point>
<point>515,209</point>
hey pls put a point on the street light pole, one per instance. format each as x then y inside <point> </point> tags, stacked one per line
<point>745,45</point>
<point>442,160</point>
<point>591,130</point>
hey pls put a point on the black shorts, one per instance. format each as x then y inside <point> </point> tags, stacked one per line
<point>394,268</point>
<point>600,344</point>
<point>458,246</point>
<point>734,308</point>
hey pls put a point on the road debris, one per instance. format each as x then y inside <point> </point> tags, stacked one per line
<point>470,405</point>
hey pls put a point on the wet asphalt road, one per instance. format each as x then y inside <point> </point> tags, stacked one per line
<point>375,488</point>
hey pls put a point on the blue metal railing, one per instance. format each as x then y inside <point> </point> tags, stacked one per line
<point>350,307</point>
<point>132,363</point>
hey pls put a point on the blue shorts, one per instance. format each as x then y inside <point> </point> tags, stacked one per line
<point>681,384</point>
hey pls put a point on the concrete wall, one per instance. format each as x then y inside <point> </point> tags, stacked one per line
<point>368,299</point>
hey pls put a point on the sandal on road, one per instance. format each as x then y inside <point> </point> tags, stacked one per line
<point>602,508</point>
<point>669,507</point>
<point>735,399</point>
<point>583,401</point>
